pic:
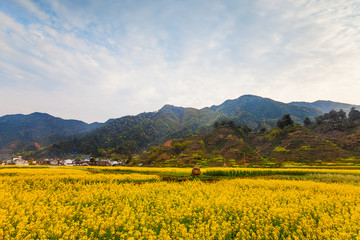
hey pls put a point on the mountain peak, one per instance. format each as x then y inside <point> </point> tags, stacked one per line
<point>249,96</point>
<point>39,114</point>
<point>169,107</point>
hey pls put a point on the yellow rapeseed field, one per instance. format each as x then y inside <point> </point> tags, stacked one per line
<point>227,169</point>
<point>71,203</point>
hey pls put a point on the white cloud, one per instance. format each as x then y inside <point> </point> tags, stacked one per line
<point>95,60</point>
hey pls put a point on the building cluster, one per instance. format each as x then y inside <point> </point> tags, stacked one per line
<point>82,161</point>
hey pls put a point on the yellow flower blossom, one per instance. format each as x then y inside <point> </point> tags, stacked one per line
<point>73,203</point>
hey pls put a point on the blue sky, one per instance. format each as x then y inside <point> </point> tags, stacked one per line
<point>100,59</point>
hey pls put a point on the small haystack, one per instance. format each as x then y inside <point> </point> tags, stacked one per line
<point>196,171</point>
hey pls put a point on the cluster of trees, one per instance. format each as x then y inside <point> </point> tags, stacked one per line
<point>335,120</point>
<point>354,115</point>
<point>331,117</point>
<point>285,121</point>
<point>231,124</point>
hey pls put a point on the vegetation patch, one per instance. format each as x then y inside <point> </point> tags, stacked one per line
<point>305,148</point>
<point>281,149</point>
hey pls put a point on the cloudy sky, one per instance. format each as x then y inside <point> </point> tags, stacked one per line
<point>98,59</point>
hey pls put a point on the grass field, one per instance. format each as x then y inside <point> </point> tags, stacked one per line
<point>144,203</point>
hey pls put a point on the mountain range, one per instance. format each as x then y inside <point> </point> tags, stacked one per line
<point>326,106</point>
<point>31,132</point>
<point>45,135</point>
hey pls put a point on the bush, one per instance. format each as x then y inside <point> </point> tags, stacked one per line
<point>280,149</point>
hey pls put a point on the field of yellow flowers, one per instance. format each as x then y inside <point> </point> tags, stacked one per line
<point>74,203</point>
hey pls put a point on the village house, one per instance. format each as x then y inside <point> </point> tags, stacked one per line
<point>54,162</point>
<point>19,161</point>
<point>116,163</point>
<point>68,162</point>
<point>8,162</point>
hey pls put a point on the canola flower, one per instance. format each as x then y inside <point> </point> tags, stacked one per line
<point>45,204</point>
<point>147,169</point>
<point>65,174</point>
<point>275,170</point>
<point>228,169</point>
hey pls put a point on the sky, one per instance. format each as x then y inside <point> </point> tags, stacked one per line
<point>93,60</point>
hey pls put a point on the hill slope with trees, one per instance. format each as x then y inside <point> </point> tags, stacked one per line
<point>30,132</point>
<point>133,134</point>
<point>333,138</point>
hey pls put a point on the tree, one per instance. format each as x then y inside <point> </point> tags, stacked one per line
<point>128,147</point>
<point>319,119</point>
<point>342,114</point>
<point>334,116</point>
<point>246,129</point>
<point>284,121</point>
<point>178,147</point>
<point>354,114</point>
<point>224,123</point>
<point>307,122</point>
<point>262,130</point>
<point>231,124</point>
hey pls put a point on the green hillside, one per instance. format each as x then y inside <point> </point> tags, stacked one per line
<point>29,132</point>
<point>224,145</point>
<point>253,110</point>
<point>134,134</point>
<point>333,139</point>
<point>299,144</point>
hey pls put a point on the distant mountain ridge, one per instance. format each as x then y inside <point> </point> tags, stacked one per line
<point>18,130</point>
<point>326,106</point>
<point>256,109</point>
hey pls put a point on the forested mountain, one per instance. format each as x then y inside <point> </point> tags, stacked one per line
<point>134,134</point>
<point>22,131</point>
<point>252,110</point>
<point>138,133</point>
<point>332,138</point>
<point>225,143</point>
<point>326,106</point>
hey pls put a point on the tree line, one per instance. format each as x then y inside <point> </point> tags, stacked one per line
<point>335,120</point>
